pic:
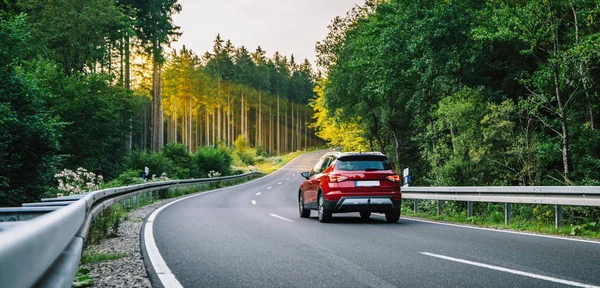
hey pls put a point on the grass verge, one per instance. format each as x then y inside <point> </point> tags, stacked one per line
<point>495,220</point>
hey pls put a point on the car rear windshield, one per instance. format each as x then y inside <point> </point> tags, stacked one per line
<point>362,163</point>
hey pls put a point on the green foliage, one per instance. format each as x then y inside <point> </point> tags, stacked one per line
<point>106,224</point>
<point>129,177</point>
<point>244,150</point>
<point>208,159</point>
<point>158,163</point>
<point>87,258</point>
<point>481,93</point>
<point>94,138</point>
<point>82,279</point>
<point>181,158</point>
<point>29,133</point>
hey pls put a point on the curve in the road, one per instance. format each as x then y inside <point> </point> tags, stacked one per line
<point>250,235</point>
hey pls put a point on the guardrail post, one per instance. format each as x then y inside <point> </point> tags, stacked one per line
<point>439,207</point>
<point>124,204</point>
<point>506,214</point>
<point>558,216</point>
<point>137,199</point>
<point>131,202</point>
<point>416,206</point>
<point>151,192</point>
<point>470,208</point>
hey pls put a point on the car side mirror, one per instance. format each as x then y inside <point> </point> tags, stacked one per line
<point>305,174</point>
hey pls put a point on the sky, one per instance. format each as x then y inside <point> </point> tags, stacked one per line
<point>287,26</point>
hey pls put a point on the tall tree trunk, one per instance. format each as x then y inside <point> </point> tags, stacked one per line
<point>229,123</point>
<point>286,131</point>
<point>292,141</point>
<point>176,128</point>
<point>260,119</point>
<point>127,58</point>
<point>278,127</point>
<point>563,122</point>
<point>561,108</point>
<point>207,129</point>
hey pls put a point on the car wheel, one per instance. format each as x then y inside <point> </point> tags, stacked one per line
<point>392,216</point>
<point>304,213</point>
<point>324,214</point>
<point>365,215</point>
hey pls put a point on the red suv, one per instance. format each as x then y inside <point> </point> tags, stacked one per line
<point>351,182</point>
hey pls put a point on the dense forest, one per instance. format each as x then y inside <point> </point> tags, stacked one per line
<point>468,93</point>
<point>89,83</point>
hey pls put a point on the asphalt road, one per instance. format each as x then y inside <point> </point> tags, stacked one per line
<point>251,236</point>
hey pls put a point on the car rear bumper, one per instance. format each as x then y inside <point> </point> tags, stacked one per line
<point>362,203</point>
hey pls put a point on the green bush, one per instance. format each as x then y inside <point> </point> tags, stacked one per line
<point>157,162</point>
<point>244,150</point>
<point>208,159</point>
<point>129,177</point>
<point>181,158</point>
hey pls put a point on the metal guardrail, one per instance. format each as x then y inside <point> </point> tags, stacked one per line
<point>45,251</point>
<point>547,195</point>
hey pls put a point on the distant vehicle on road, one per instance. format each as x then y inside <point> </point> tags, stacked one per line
<point>351,182</point>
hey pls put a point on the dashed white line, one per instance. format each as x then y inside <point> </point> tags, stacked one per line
<point>512,271</point>
<point>279,183</point>
<point>287,179</point>
<point>253,202</point>
<point>282,218</point>
<point>294,175</point>
<point>258,193</point>
<point>269,188</point>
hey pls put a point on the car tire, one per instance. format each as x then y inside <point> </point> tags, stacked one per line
<point>364,215</point>
<point>324,214</point>
<point>392,216</point>
<point>304,213</point>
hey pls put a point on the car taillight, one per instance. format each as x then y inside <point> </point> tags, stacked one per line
<point>337,178</point>
<point>394,178</point>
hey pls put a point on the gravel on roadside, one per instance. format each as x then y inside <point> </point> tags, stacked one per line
<point>130,270</point>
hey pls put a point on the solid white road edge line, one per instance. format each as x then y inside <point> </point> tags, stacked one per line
<point>512,271</point>
<point>253,202</point>
<point>282,218</point>
<point>162,270</point>
<point>166,277</point>
<point>503,231</point>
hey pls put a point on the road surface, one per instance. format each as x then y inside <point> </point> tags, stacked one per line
<point>251,236</point>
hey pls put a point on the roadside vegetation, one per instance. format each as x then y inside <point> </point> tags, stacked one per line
<point>94,84</point>
<point>524,217</point>
<point>476,93</point>
<point>106,225</point>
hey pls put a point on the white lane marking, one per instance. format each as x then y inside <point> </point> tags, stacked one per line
<point>294,175</point>
<point>269,188</point>
<point>258,193</point>
<point>287,179</point>
<point>282,218</point>
<point>253,202</point>
<point>165,275</point>
<point>512,271</point>
<point>504,231</point>
<point>279,183</point>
